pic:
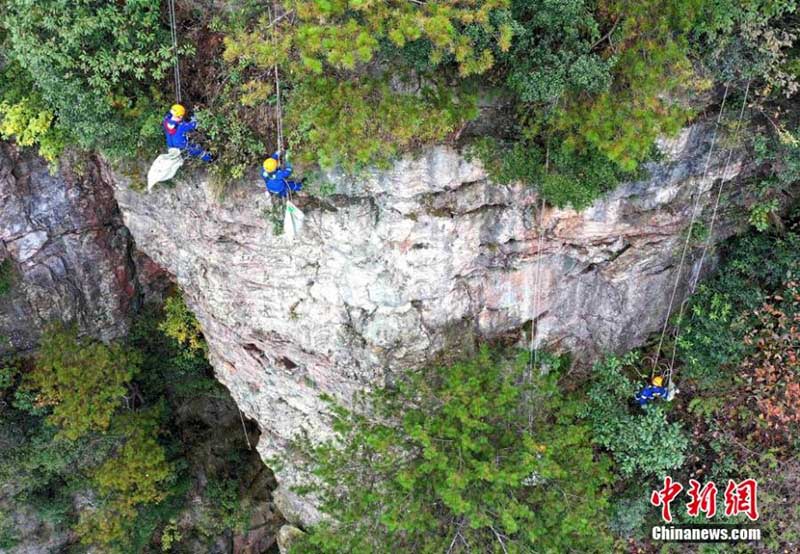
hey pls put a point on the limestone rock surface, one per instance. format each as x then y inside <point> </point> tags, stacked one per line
<point>428,257</point>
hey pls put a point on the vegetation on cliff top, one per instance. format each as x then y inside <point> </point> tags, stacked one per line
<point>578,84</point>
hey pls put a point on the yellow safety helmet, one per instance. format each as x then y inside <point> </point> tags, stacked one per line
<point>270,165</point>
<point>177,110</point>
<point>658,380</point>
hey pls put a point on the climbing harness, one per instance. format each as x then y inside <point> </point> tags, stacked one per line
<point>695,211</point>
<point>174,30</point>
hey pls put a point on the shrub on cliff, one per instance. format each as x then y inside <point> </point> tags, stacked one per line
<point>467,458</point>
<point>181,325</point>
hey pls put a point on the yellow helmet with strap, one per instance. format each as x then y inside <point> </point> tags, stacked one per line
<point>270,165</point>
<point>658,381</point>
<point>177,110</point>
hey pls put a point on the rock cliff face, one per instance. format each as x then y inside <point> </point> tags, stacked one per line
<point>408,263</point>
<point>69,256</point>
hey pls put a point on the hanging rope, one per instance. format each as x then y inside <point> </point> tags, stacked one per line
<point>278,106</point>
<point>533,356</point>
<point>707,244</point>
<point>278,109</point>
<point>688,236</point>
<point>244,428</point>
<point>173,28</point>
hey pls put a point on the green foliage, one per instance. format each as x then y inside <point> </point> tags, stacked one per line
<point>91,64</point>
<point>462,456</point>
<point>8,535</point>
<point>6,276</point>
<point>722,310</point>
<point>551,54</point>
<point>82,380</point>
<point>642,443</point>
<point>651,70</point>
<point>25,116</point>
<point>751,39</point>
<point>136,474</point>
<point>780,152</point>
<point>578,178</point>
<point>170,535</point>
<point>181,325</point>
<point>569,178</point>
<point>738,361</point>
<point>134,470</point>
<point>509,163</point>
<point>628,514</point>
<point>345,35</point>
<point>237,147</point>
<point>352,123</point>
<point>229,511</point>
<point>760,214</point>
<point>138,470</point>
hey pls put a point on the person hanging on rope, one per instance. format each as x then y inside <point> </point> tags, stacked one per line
<point>276,176</point>
<point>176,131</point>
<point>652,392</point>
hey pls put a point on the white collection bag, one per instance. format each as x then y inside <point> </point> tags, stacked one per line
<point>292,221</point>
<point>164,167</point>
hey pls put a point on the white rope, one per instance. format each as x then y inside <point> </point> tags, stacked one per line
<point>719,192</point>
<point>688,236</point>
<point>244,428</point>
<point>537,282</point>
<point>173,27</point>
<point>278,106</point>
<point>278,109</point>
<point>707,244</point>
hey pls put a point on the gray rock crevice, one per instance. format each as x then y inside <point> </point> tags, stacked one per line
<point>73,259</point>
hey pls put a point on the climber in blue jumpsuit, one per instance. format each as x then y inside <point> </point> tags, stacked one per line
<point>652,392</point>
<point>176,131</point>
<point>276,178</point>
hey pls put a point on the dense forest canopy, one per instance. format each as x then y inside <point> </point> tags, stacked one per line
<point>584,87</point>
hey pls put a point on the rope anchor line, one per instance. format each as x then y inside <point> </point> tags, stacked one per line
<point>706,245</point>
<point>174,32</point>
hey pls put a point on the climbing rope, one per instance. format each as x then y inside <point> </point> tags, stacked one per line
<point>709,237</point>
<point>706,245</point>
<point>278,106</point>
<point>688,236</point>
<point>244,428</point>
<point>173,28</point>
<point>533,357</point>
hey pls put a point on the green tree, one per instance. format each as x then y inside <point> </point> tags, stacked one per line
<point>463,457</point>
<point>93,65</point>
<point>137,474</point>
<point>81,379</point>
